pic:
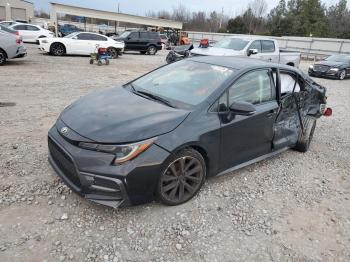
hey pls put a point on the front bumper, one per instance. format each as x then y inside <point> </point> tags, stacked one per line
<point>327,74</point>
<point>91,175</point>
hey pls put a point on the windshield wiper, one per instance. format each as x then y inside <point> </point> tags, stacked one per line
<point>155,97</point>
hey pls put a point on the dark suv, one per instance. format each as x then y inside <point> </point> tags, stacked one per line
<point>143,41</point>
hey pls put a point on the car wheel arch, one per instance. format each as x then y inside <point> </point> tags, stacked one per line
<point>2,50</point>
<point>290,64</point>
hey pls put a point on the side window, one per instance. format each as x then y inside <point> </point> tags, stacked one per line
<point>32,28</point>
<point>85,36</point>
<point>133,35</point>
<point>268,46</point>
<point>20,27</point>
<point>99,38</point>
<point>287,83</point>
<point>254,87</point>
<point>255,45</point>
<point>144,35</point>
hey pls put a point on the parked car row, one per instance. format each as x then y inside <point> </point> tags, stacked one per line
<point>11,46</point>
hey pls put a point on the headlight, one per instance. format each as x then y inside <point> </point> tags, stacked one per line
<point>311,66</point>
<point>123,153</point>
<point>334,69</point>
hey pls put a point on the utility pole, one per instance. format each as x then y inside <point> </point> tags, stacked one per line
<point>221,17</point>
<point>117,21</point>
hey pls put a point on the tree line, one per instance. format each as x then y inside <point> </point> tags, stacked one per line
<point>288,18</point>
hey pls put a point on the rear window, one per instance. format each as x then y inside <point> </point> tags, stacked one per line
<point>7,30</point>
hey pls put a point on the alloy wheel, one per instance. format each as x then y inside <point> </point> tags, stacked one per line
<point>342,75</point>
<point>58,50</point>
<point>112,52</point>
<point>152,50</point>
<point>182,179</point>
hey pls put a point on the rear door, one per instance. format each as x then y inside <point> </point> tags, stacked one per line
<point>268,51</point>
<point>33,32</point>
<point>247,137</point>
<point>144,41</point>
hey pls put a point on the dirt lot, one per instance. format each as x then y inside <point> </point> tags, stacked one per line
<point>293,207</point>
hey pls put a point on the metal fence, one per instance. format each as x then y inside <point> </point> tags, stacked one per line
<point>308,46</point>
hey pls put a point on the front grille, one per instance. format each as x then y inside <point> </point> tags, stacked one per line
<point>321,68</point>
<point>64,162</point>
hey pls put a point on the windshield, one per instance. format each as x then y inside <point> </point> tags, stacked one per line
<point>185,81</point>
<point>338,58</point>
<point>125,34</point>
<point>232,43</point>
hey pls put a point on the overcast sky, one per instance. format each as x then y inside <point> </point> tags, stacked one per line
<point>140,7</point>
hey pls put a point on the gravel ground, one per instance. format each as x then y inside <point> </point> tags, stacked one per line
<point>293,207</point>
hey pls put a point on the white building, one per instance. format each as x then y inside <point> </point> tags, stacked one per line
<point>16,10</point>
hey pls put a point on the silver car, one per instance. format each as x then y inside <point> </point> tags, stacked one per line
<point>11,46</point>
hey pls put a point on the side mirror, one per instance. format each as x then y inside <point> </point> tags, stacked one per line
<point>242,108</point>
<point>252,52</point>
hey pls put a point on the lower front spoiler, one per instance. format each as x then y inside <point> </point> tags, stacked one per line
<point>115,197</point>
<point>324,75</point>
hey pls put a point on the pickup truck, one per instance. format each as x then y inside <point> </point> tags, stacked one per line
<point>255,47</point>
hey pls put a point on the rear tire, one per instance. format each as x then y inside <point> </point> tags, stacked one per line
<point>57,49</point>
<point>2,57</point>
<point>152,50</point>
<point>182,177</point>
<point>113,52</point>
<point>304,139</point>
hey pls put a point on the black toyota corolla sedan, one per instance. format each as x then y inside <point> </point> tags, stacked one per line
<point>161,135</point>
<point>334,66</point>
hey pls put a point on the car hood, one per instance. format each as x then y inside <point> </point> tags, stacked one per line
<point>330,63</point>
<point>215,51</point>
<point>120,116</point>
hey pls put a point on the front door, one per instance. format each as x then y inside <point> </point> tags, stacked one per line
<point>244,138</point>
<point>132,41</point>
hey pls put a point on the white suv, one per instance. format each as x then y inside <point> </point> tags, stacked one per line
<point>31,33</point>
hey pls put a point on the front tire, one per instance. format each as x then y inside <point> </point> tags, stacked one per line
<point>2,57</point>
<point>182,177</point>
<point>342,74</point>
<point>304,139</point>
<point>152,50</point>
<point>57,49</point>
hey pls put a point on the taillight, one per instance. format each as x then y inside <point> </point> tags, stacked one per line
<point>328,111</point>
<point>17,33</point>
<point>18,40</point>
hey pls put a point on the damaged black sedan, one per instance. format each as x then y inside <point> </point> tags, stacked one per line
<point>160,136</point>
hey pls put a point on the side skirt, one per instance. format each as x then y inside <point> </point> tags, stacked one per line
<point>255,160</point>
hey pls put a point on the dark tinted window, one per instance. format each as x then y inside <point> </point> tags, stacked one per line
<point>256,45</point>
<point>267,46</point>
<point>20,27</point>
<point>32,28</point>
<point>8,30</point>
<point>133,35</point>
<point>99,38</point>
<point>144,35</point>
<point>86,36</point>
<point>254,87</point>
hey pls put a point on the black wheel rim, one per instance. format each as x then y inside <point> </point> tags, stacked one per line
<point>182,179</point>
<point>59,50</point>
<point>112,52</point>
